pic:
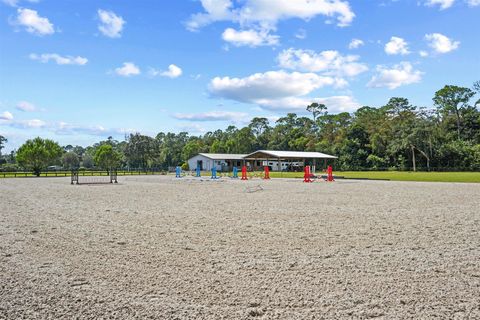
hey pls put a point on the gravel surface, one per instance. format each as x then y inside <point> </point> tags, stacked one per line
<point>164,248</point>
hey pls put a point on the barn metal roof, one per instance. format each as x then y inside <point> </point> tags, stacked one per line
<point>288,155</point>
<point>223,156</point>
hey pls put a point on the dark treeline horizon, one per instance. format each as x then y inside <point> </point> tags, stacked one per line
<point>395,136</point>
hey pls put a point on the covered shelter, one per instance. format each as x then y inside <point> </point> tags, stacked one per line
<point>221,161</point>
<point>285,160</point>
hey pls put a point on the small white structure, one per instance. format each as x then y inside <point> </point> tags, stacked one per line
<point>221,161</point>
<point>285,160</point>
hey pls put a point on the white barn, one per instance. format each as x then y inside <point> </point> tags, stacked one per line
<point>223,162</point>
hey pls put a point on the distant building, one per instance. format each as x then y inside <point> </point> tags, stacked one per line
<point>275,160</point>
<point>221,161</point>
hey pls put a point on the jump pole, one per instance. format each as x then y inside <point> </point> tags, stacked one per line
<point>266,171</point>
<point>307,175</point>
<point>198,171</point>
<point>244,173</point>
<point>235,173</point>
<point>214,173</point>
<point>178,172</point>
<point>330,174</point>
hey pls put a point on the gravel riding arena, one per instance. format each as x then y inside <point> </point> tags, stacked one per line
<point>164,248</point>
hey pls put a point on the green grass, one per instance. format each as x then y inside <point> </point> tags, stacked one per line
<point>395,175</point>
<point>414,176</point>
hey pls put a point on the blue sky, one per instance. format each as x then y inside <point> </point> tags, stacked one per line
<point>79,71</point>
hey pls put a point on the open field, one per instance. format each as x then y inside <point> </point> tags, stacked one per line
<point>164,248</point>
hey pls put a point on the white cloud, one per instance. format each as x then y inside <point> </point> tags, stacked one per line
<point>444,4</point>
<point>328,62</point>
<point>29,124</point>
<point>128,69</point>
<point>172,72</point>
<point>111,25</point>
<point>423,53</point>
<point>473,3</point>
<point>355,44</point>
<point>251,38</point>
<point>399,75</point>
<point>441,43</point>
<point>301,34</point>
<point>6,116</point>
<point>335,104</point>
<point>33,23</point>
<point>267,13</point>
<point>26,106</point>
<point>211,116</point>
<point>396,46</point>
<point>14,3</point>
<point>269,85</point>
<point>61,60</point>
<point>280,91</point>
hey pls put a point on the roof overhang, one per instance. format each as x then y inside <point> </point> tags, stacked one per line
<point>287,155</point>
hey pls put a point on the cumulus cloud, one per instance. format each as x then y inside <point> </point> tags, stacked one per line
<point>58,59</point>
<point>172,72</point>
<point>7,116</point>
<point>26,106</point>
<point>397,46</point>
<point>250,38</point>
<point>269,85</point>
<point>110,25</point>
<point>264,14</point>
<point>211,116</point>
<point>328,62</point>
<point>355,44</point>
<point>33,23</point>
<point>443,4</point>
<point>128,69</point>
<point>441,43</point>
<point>392,78</point>
<point>280,91</point>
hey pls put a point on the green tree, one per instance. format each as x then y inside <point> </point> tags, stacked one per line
<point>476,87</point>
<point>3,140</point>
<point>107,158</point>
<point>70,160</point>
<point>38,153</point>
<point>316,109</point>
<point>451,100</point>
<point>87,161</point>
<point>140,150</point>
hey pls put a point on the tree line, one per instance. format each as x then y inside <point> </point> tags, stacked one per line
<point>395,136</point>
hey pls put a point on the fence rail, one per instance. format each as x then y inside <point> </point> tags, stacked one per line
<point>63,173</point>
<point>155,171</point>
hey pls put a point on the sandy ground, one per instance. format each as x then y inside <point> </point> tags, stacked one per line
<point>165,248</point>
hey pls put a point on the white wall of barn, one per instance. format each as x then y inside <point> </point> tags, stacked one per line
<point>207,163</point>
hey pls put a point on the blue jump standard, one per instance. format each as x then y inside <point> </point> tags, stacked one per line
<point>198,172</point>
<point>235,173</point>
<point>214,173</point>
<point>178,172</point>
